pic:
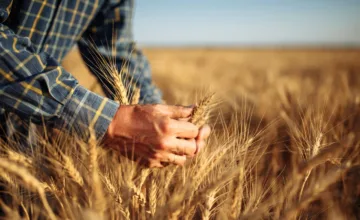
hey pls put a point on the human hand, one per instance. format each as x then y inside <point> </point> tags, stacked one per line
<point>155,134</point>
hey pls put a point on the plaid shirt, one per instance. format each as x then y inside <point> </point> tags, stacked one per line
<point>35,35</point>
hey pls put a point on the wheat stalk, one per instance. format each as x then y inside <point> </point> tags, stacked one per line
<point>99,203</point>
<point>319,187</point>
<point>10,213</point>
<point>315,150</point>
<point>29,181</point>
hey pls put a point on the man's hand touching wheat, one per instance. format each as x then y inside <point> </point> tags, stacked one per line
<point>155,134</point>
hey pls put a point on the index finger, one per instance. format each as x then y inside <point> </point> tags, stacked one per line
<point>179,111</point>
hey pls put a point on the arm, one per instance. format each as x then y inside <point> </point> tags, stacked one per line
<point>35,87</point>
<point>114,20</point>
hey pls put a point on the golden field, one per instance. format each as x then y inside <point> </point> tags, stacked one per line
<point>285,145</point>
<point>244,72</point>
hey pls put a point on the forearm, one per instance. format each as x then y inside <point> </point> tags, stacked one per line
<point>35,87</point>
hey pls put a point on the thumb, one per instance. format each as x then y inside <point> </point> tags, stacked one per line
<point>179,111</point>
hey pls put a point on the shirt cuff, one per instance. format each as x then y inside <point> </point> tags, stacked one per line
<point>87,112</point>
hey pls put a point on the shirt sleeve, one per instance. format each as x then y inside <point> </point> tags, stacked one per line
<point>35,87</point>
<point>111,31</point>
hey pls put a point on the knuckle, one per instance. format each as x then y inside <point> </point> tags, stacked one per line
<point>165,125</point>
<point>157,156</point>
<point>137,108</point>
<point>157,106</point>
<point>164,144</point>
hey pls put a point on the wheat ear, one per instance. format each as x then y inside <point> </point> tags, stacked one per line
<point>320,186</point>
<point>7,178</point>
<point>135,96</point>
<point>144,174</point>
<point>120,90</point>
<point>152,195</point>
<point>200,112</point>
<point>71,170</point>
<point>137,193</point>
<point>19,158</point>
<point>116,196</point>
<point>208,205</point>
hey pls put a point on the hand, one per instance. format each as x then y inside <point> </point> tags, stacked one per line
<point>204,133</point>
<point>155,134</point>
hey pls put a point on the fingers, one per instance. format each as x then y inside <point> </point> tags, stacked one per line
<point>201,138</point>
<point>175,159</point>
<point>161,158</point>
<point>184,119</point>
<point>188,139</point>
<point>183,129</point>
<point>185,147</point>
<point>179,111</point>
<point>204,132</point>
<point>150,158</point>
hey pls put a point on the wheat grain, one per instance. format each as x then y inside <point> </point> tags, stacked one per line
<point>71,170</point>
<point>153,194</point>
<point>135,96</point>
<point>200,111</point>
<point>19,158</point>
<point>209,202</point>
<point>143,175</point>
<point>136,192</point>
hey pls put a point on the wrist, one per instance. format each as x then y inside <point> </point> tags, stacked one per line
<point>120,125</point>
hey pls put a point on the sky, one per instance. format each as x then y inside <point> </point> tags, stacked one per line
<point>247,22</point>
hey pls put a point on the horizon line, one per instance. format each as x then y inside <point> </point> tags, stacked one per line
<point>252,45</point>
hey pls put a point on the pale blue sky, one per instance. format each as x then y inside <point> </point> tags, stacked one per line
<point>251,22</point>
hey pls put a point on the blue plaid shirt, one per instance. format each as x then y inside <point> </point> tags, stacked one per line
<point>35,35</point>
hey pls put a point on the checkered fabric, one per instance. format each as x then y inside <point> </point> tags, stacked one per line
<point>35,35</point>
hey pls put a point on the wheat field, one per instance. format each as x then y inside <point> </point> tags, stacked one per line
<point>284,145</point>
